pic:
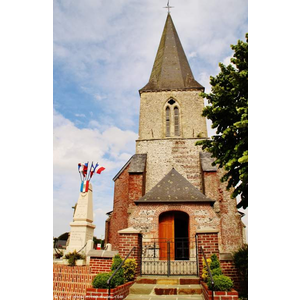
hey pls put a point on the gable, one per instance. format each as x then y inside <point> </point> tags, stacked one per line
<point>174,188</point>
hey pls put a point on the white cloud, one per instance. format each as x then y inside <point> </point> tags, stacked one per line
<point>112,44</point>
<point>226,61</point>
<point>80,115</point>
<point>111,148</point>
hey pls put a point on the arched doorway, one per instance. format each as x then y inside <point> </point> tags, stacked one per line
<point>174,235</point>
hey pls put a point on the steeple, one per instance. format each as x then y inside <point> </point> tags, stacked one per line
<point>171,70</point>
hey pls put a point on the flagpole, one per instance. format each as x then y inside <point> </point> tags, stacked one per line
<point>89,177</point>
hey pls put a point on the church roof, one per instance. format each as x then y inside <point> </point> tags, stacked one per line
<point>171,70</point>
<point>137,165</point>
<point>174,188</point>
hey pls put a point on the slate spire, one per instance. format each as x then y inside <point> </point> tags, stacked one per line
<point>171,70</point>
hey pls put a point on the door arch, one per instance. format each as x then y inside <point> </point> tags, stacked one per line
<point>174,233</point>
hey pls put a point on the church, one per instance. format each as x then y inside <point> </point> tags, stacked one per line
<point>169,190</point>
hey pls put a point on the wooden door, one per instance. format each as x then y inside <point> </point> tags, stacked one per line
<point>166,233</point>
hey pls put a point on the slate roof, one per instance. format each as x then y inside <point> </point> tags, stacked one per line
<point>206,160</point>
<point>171,70</point>
<point>137,165</point>
<point>174,188</point>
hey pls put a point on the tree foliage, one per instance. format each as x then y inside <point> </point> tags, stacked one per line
<point>229,115</point>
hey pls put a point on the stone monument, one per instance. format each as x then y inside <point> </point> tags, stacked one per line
<point>82,227</point>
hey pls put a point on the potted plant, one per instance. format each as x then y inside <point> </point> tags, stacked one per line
<point>74,257</point>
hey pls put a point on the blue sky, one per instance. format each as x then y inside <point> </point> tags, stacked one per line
<point>103,54</point>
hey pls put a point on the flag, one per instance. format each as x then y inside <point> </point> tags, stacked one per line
<point>92,171</point>
<point>85,169</point>
<point>84,186</point>
<point>99,169</point>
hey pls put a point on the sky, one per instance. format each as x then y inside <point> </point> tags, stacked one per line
<point>103,53</point>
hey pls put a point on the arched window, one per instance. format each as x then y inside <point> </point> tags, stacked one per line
<point>176,121</point>
<point>168,121</point>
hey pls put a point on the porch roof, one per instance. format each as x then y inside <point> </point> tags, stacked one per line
<point>174,188</point>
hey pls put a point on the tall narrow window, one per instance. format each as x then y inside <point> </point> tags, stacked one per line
<point>176,121</point>
<point>168,121</point>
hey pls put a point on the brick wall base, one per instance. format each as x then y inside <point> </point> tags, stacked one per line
<point>119,292</point>
<point>232,295</point>
<point>72,282</point>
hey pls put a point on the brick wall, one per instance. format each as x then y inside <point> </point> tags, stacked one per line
<point>221,295</point>
<point>210,245</point>
<point>229,269</point>
<point>146,217</point>
<point>127,242</point>
<point>128,188</point>
<point>71,282</point>
<point>136,188</point>
<point>117,293</point>
<point>119,217</point>
<point>100,264</point>
<point>231,227</point>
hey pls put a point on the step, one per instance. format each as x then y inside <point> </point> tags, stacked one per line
<point>171,297</point>
<point>165,289</point>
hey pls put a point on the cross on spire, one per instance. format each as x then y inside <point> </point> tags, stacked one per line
<point>168,6</point>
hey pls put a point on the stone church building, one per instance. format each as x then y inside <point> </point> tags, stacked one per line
<point>168,189</point>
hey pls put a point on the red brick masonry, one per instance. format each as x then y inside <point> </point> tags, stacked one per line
<point>117,293</point>
<point>71,282</point>
<point>232,295</point>
<point>100,264</point>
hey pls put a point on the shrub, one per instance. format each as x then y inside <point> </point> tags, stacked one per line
<point>240,259</point>
<point>214,262</point>
<point>221,283</point>
<point>129,268</point>
<point>118,279</point>
<point>117,260</point>
<point>72,257</point>
<point>100,281</point>
<point>216,271</point>
<point>204,270</point>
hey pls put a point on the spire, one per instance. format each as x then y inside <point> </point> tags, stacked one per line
<point>171,70</point>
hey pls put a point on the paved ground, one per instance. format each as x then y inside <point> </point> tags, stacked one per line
<point>163,287</point>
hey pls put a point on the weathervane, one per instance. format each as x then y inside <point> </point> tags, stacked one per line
<point>168,6</point>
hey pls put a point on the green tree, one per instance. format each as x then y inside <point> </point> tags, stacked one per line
<point>229,115</point>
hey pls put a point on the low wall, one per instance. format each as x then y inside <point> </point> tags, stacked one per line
<point>120,292</point>
<point>219,295</point>
<point>71,282</point>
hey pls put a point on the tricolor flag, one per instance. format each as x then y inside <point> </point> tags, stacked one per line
<point>99,169</point>
<point>84,186</point>
<point>92,170</point>
<point>85,169</point>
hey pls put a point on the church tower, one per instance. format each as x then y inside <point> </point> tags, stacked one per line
<point>169,189</point>
<point>170,114</point>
